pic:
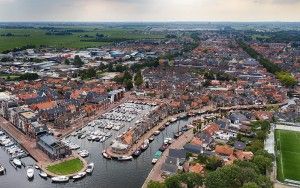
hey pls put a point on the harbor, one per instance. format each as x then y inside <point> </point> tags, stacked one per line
<point>107,173</point>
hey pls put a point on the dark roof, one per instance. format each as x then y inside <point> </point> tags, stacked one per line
<point>35,100</point>
<point>56,110</point>
<point>169,168</point>
<point>93,97</point>
<point>171,160</point>
<point>238,116</point>
<point>193,148</point>
<point>48,139</point>
<point>177,153</point>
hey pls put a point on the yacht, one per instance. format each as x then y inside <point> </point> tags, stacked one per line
<point>17,162</point>
<point>30,172</point>
<point>156,133</point>
<point>125,158</point>
<point>60,179</point>
<point>105,155</point>
<point>90,168</point>
<point>83,153</point>
<point>43,174</point>
<point>79,175</point>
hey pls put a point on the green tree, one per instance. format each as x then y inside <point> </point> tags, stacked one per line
<point>263,163</point>
<point>192,180</point>
<point>138,79</point>
<point>29,76</point>
<point>173,182</point>
<point>128,84</point>
<point>78,62</point>
<point>67,62</point>
<point>250,185</point>
<point>213,163</point>
<point>155,184</point>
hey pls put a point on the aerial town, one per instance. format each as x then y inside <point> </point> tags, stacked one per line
<point>208,108</point>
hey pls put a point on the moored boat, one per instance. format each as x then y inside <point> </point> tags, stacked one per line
<point>83,153</point>
<point>30,172</point>
<point>125,158</point>
<point>90,168</point>
<point>156,157</point>
<point>145,145</point>
<point>79,175</point>
<point>163,147</point>
<point>162,128</point>
<point>151,139</point>
<point>2,170</point>
<point>43,174</point>
<point>137,153</point>
<point>177,135</point>
<point>105,155</point>
<point>173,120</point>
<point>60,179</point>
<point>17,162</point>
<point>156,133</point>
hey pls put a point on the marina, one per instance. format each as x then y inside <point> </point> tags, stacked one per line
<point>107,173</point>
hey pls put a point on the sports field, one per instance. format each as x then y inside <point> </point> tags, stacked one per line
<point>288,155</point>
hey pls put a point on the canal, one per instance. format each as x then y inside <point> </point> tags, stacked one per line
<point>107,173</point>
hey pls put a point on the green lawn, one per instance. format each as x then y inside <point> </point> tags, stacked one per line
<point>37,37</point>
<point>66,167</point>
<point>288,155</point>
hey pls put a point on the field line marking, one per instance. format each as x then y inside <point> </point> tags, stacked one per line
<point>281,161</point>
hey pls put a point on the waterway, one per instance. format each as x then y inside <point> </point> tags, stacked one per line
<point>107,173</point>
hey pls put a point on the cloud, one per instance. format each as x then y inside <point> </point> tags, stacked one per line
<point>149,10</point>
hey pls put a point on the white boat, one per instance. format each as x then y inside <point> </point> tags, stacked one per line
<point>103,139</point>
<point>2,170</point>
<point>43,174</point>
<point>17,162</point>
<point>83,153</point>
<point>90,168</point>
<point>79,175</point>
<point>105,155</point>
<point>173,120</point>
<point>125,158</point>
<point>145,145</point>
<point>36,167</point>
<point>156,133</point>
<point>83,136</point>
<point>30,172</point>
<point>60,179</point>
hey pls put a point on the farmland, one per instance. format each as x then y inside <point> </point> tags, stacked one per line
<point>69,37</point>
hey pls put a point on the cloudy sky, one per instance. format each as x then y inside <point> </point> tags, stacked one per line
<point>149,10</point>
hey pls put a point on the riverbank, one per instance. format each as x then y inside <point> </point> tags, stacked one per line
<point>155,173</point>
<point>204,110</point>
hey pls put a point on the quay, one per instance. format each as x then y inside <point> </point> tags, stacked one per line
<point>27,143</point>
<point>205,110</point>
<point>155,173</point>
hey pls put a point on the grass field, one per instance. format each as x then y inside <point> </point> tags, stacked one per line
<point>37,37</point>
<point>66,167</point>
<point>288,155</point>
